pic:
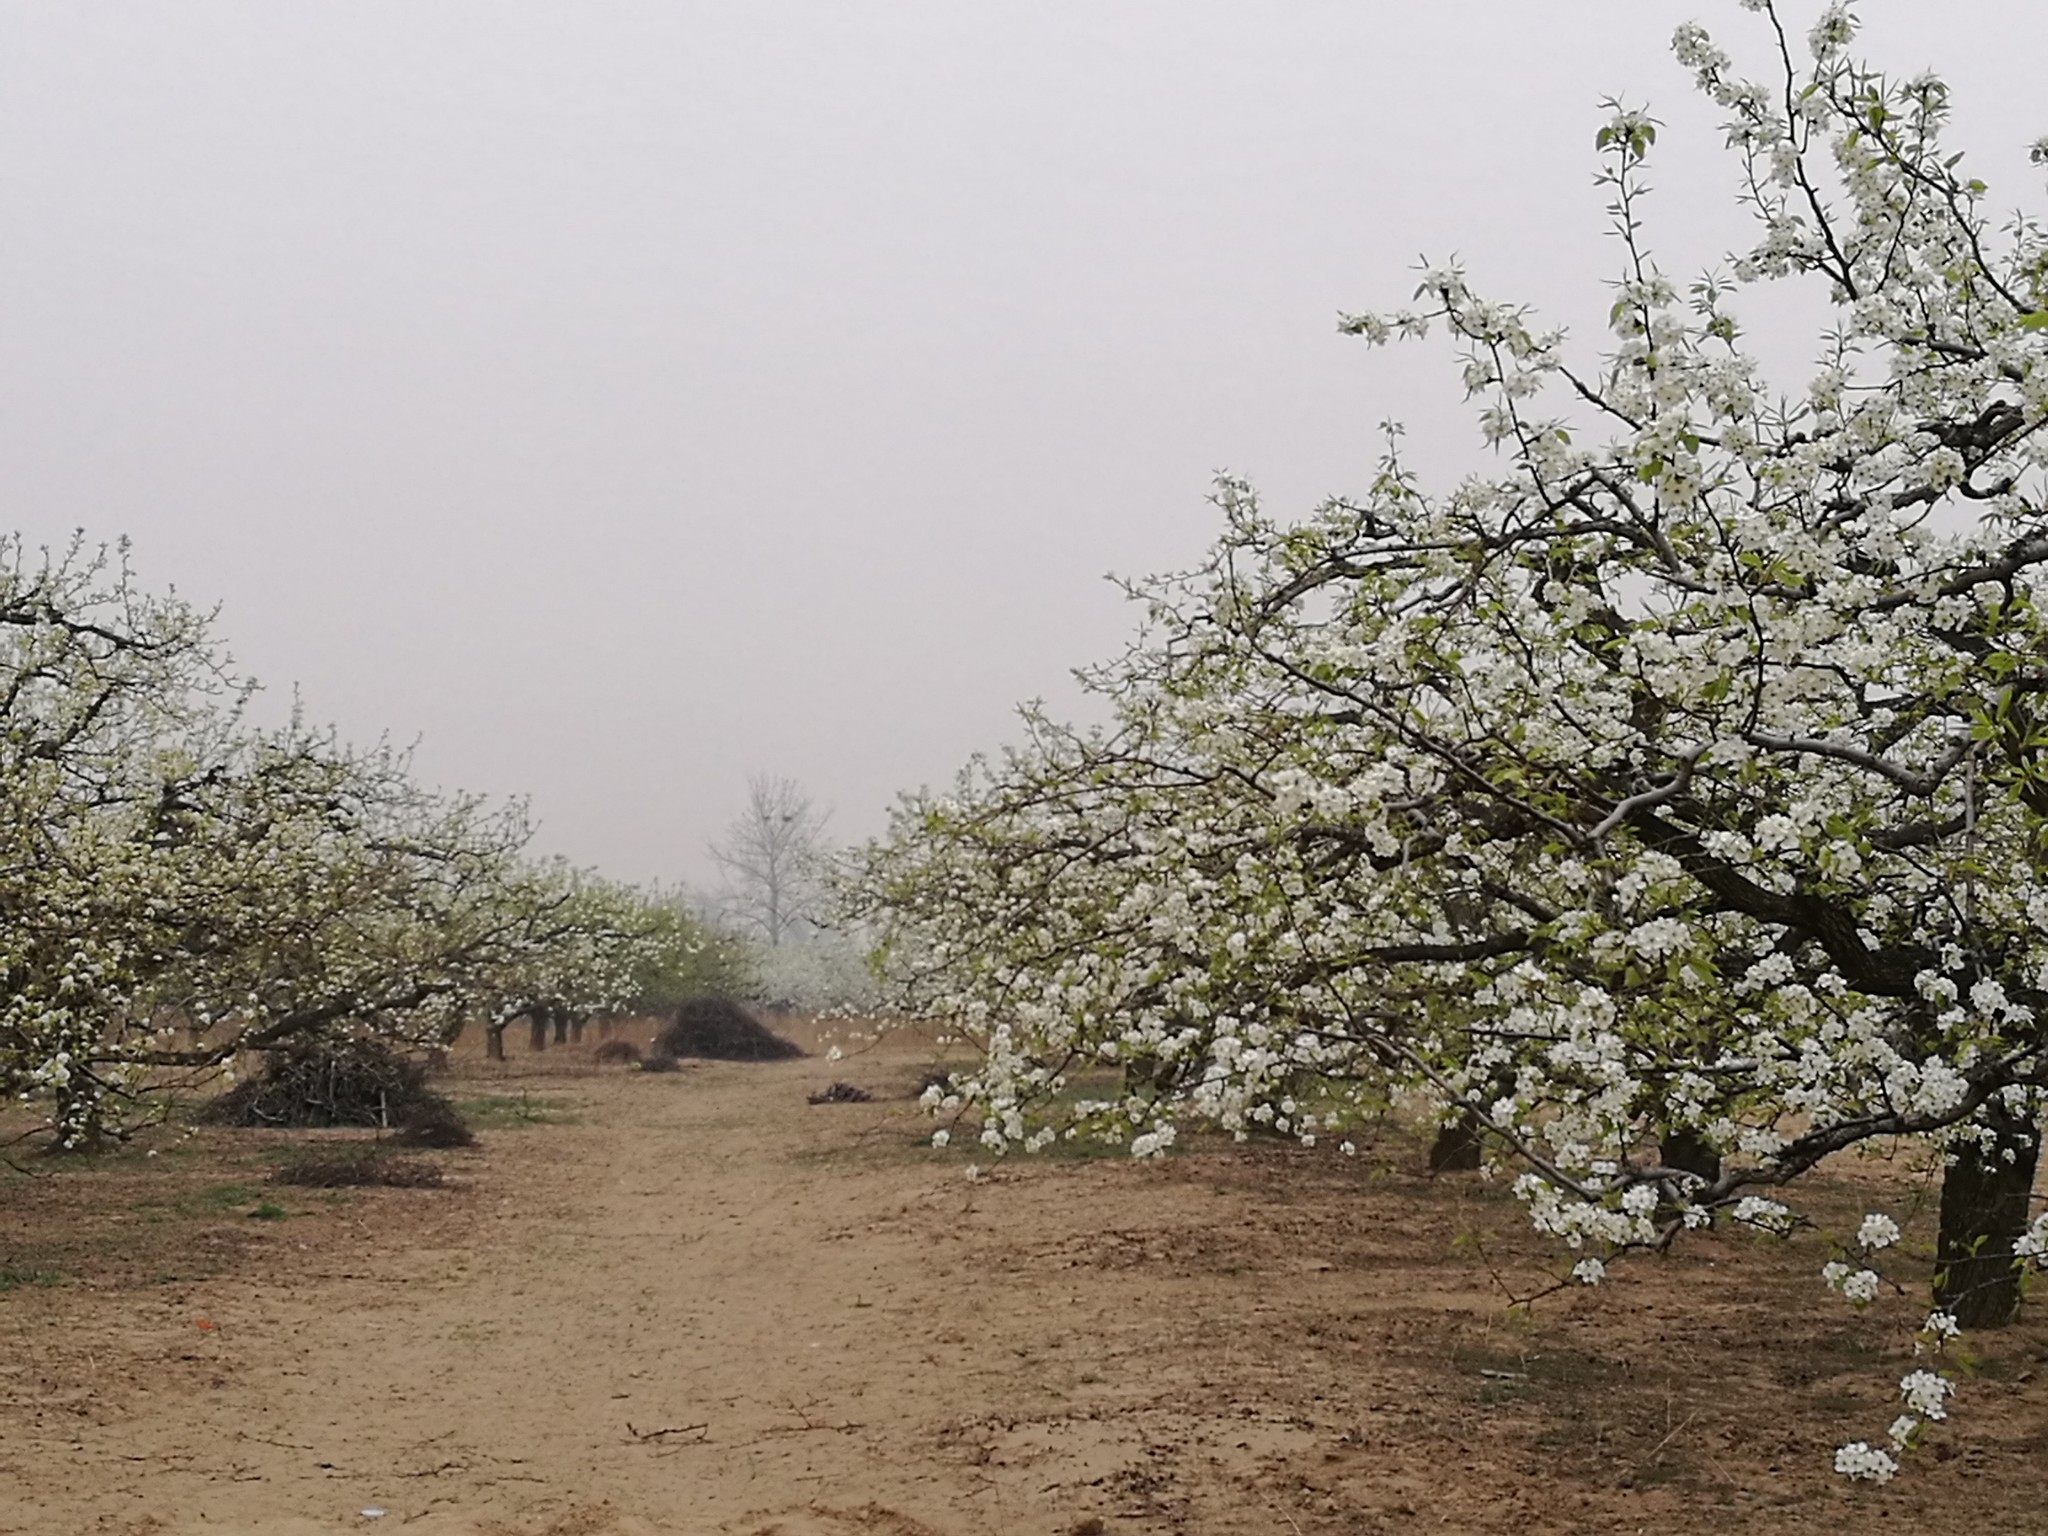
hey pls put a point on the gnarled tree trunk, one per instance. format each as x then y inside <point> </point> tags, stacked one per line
<point>1984,1209</point>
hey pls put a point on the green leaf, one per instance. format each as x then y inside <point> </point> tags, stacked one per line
<point>2037,321</point>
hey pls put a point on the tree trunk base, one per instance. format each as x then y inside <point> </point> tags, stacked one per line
<point>1984,1209</point>
<point>1458,1147</point>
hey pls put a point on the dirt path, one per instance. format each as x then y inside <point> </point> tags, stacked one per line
<point>705,1306</point>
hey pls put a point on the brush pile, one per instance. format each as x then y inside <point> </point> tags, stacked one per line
<point>842,1093</point>
<point>719,1029</point>
<point>334,1080</point>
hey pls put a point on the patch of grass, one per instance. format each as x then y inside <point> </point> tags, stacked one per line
<point>515,1111</point>
<point>219,1199</point>
<point>16,1279</point>
<point>268,1211</point>
<point>1506,1371</point>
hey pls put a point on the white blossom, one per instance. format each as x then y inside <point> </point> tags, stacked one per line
<point>1862,1461</point>
<point>1927,1394</point>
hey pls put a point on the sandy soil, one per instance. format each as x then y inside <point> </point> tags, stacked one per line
<point>694,1303</point>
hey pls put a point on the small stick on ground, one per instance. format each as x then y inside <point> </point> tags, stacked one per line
<point>646,1435</point>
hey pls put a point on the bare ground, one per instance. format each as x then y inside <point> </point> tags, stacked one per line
<point>693,1303</point>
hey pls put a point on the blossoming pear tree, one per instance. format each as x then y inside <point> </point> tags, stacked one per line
<point>178,889</point>
<point>95,677</point>
<point>1668,804</point>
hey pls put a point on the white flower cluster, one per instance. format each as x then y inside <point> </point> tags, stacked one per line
<point>2033,1243</point>
<point>1865,1462</point>
<point>1765,1215</point>
<point>1939,1328</point>
<point>1927,1394</point>
<point>1858,1285</point>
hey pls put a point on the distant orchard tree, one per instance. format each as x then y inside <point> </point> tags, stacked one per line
<point>769,856</point>
<point>824,972</point>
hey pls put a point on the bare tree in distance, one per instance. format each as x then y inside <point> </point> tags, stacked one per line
<point>769,857</point>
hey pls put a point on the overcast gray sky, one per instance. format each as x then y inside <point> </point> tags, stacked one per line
<point>620,397</point>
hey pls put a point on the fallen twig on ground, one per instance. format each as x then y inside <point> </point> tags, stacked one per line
<point>645,1435</point>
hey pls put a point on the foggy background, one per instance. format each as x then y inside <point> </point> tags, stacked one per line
<point>621,397</point>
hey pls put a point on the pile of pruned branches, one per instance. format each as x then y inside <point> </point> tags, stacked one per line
<point>346,1080</point>
<point>719,1029</point>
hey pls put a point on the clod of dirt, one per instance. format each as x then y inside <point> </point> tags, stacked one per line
<point>719,1029</point>
<point>354,1166</point>
<point>622,1052</point>
<point>327,1080</point>
<point>842,1093</point>
<point>1091,1526</point>
<point>661,1061</point>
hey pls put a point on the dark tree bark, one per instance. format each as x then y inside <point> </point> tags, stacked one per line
<point>1458,1147</point>
<point>559,1017</point>
<point>1149,1076</point>
<point>537,1030</point>
<point>494,1041</point>
<point>1985,1199</point>
<point>1690,1152</point>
